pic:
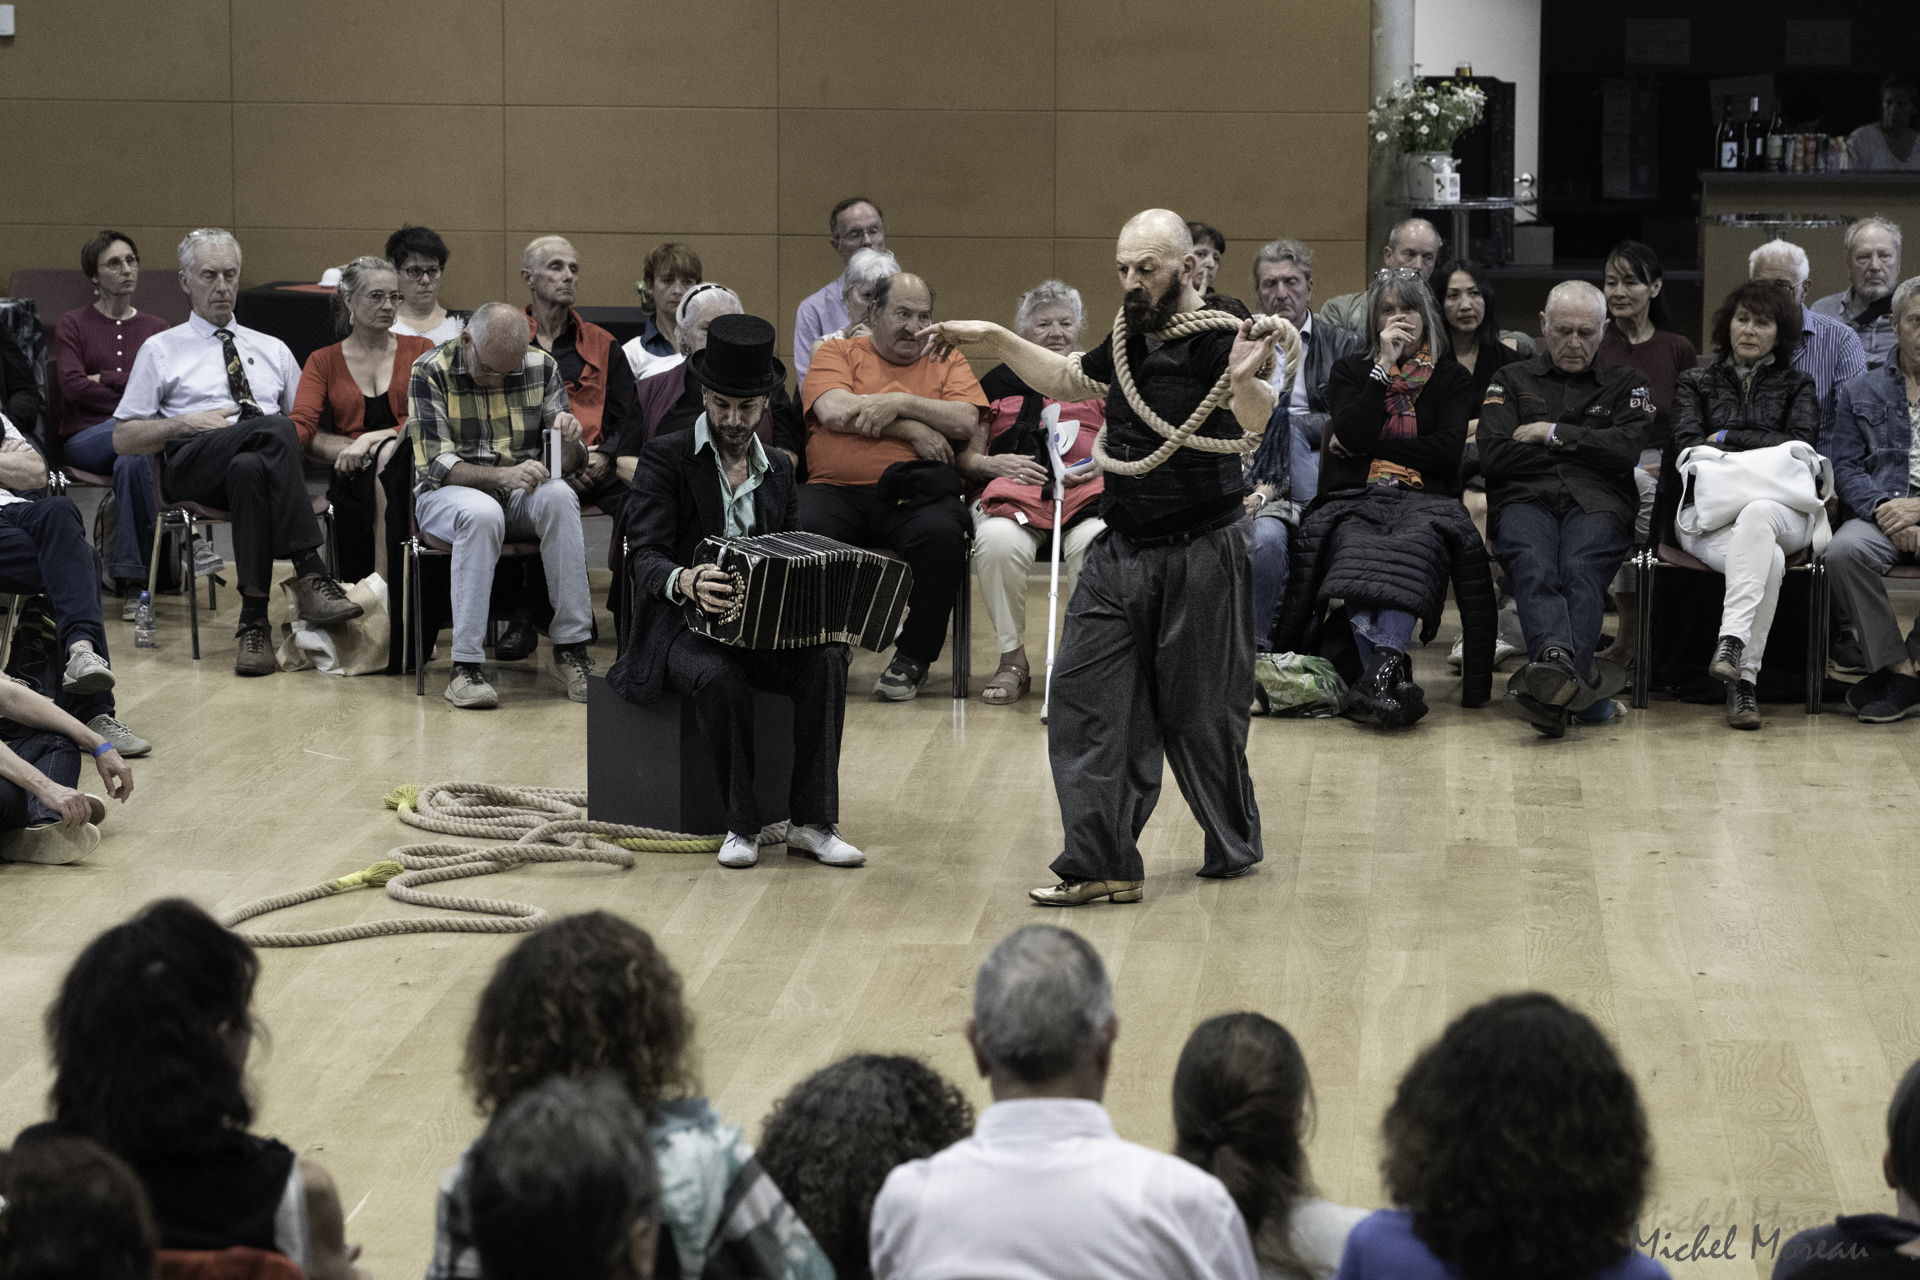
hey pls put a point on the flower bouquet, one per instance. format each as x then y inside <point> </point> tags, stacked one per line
<point>1421,122</point>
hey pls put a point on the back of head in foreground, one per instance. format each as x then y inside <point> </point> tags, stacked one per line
<point>1518,1144</point>
<point>563,1185</point>
<point>1043,1023</point>
<point>71,1211</point>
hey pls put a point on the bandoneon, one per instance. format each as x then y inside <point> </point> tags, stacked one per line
<point>796,589</point>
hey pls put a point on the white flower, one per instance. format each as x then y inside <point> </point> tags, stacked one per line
<point>1423,129</point>
<point>1381,136</point>
<point>1433,108</point>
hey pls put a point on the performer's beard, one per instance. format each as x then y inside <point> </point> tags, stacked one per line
<point>1144,316</point>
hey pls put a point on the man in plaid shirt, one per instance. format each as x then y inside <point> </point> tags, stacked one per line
<point>478,408</point>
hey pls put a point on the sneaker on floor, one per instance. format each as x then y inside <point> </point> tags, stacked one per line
<point>1077,893</point>
<point>468,687</point>
<point>253,650</point>
<point>207,562</point>
<point>50,844</point>
<point>1869,689</point>
<point>130,606</point>
<point>1846,657</point>
<point>1725,666</point>
<point>87,672</point>
<point>1600,711</point>
<point>739,851</point>
<point>823,842</point>
<point>124,740</point>
<point>323,602</point>
<point>1743,705</point>
<point>1900,700</point>
<point>1502,651</point>
<point>569,666</point>
<point>901,681</point>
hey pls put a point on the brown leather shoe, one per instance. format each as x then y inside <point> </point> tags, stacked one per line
<point>322,601</point>
<point>1077,893</point>
<point>254,652</point>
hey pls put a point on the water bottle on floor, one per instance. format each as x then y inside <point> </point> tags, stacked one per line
<point>143,624</point>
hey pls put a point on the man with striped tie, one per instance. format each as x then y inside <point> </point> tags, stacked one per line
<point>212,397</point>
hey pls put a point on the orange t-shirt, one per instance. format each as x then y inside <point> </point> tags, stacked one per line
<point>851,364</point>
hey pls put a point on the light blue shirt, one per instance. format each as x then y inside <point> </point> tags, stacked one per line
<point>738,503</point>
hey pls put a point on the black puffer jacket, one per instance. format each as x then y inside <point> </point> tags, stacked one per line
<point>1780,405</point>
<point>1399,548</point>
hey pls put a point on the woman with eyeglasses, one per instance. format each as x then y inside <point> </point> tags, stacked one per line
<point>352,410</point>
<point>420,256</point>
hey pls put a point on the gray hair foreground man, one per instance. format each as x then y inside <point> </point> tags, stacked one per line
<point>1044,1186</point>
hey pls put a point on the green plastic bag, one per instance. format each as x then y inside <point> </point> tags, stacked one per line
<point>1296,685</point>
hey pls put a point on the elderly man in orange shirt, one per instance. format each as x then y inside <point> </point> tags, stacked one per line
<point>883,423</point>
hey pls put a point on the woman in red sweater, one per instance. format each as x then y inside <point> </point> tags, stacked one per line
<point>352,411</point>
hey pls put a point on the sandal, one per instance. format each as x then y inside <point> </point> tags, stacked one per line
<point>1009,684</point>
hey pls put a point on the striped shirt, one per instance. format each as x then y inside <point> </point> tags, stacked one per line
<point>1832,353</point>
<point>453,419</point>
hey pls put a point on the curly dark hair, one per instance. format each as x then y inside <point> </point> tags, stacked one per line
<point>831,1142</point>
<point>1242,1108</point>
<point>1518,1143</point>
<point>143,1032</point>
<point>1768,299</point>
<point>73,1209</point>
<point>587,993</point>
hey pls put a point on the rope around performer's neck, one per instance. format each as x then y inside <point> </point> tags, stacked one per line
<point>1185,324</point>
<point>543,825</point>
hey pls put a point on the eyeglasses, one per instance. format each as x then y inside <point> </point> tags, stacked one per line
<point>122,264</point>
<point>863,235</point>
<point>380,298</point>
<point>1396,273</point>
<point>422,273</point>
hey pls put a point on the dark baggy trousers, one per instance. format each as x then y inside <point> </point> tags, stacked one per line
<point>1156,660</point>
<point>721,679</point>
<point>252,471</point>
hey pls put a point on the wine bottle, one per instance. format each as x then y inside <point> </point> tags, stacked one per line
<point>1776,143</point>
<point>1756,139</point>
<point>1726,141</point>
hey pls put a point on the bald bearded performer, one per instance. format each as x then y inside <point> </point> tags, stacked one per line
<point>1157,656</point>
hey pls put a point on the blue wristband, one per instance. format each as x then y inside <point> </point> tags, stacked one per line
<point>102,749</point>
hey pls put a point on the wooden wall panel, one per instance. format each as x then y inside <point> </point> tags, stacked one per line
<point>108,162</point>
<point>367,51</point>
<point>118,50</point>
<point>642,53</point>
<point>985,55</point>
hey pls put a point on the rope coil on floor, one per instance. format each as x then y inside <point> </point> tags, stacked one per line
<point>1183,325</point>
<point>542,824</point>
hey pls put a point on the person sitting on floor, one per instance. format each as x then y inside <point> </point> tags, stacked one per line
<point>671,269</point>
<point>1013,508</point>
<point>44,817</point>
<point>1242,1106</point>
<point>150,1036</point>
<point>1515,1146</point>
<point>563,1184</point>
<point>212,397</point>
<point>718,480</point>
<point>1044,1187</point>
<point>362,382</point>
<point>74,1212</point>
<point>1869,1237</point>
<point>592,993</point>
<point>873,403</point>
<point>1749,398</point>
<point>600,385</point>
<point>420,256</point>
<point>1877,470</point>
<point>1560,436</point>
<point>1387,532</point>
<point>832,1141</point>
<point>478,410</point>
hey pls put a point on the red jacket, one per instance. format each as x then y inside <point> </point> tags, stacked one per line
<point>587,398</point>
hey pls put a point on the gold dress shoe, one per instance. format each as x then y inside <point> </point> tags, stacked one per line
<point>1077,893</point>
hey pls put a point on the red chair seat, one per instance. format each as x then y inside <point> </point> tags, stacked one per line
<point>1904,571</point>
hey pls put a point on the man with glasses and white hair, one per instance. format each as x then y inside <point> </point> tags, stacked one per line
<point>854,224</point>
<point>1831,351</point>
<point>1873,267</point>
<point>1045,1187</point>
<point>1414,245</point>
<point>213,397</point>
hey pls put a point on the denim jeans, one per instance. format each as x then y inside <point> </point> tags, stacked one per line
<point>1559,561</point>
<point>1376,627</point>
<point>92,450</point>
<point>1270,537</point>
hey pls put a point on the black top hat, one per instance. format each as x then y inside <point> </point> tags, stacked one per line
<point>738,359</point>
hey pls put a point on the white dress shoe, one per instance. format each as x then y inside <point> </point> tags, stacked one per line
<point>824,843</point>
<point>739,851</point>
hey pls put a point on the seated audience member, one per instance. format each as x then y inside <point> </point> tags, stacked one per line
<point>671,269</point>
<point>362,382</point>
<point>212,397</point>
<point>73,1212</point>
<point>1515,1146</point>
<point>420,257</point>
<point>1209,250</point>
<point>832,1141</point>
<point>600,387</point>
<point>44,817</point>
<point>151,1032</point>
<point>1560,436</point>
<point>1412,245</point>
<point>563,1184</point>
<point>1829,350</point>
<point>44,550</point>
<point>588,994</point>
<point>1874,467</point>
<point>717,480</point>
<point>854,224</point>
<point>478,411</point>
<point>1873,269</point>
<point>1640,333</point>
<point>1242,1107</point>
<point>865,270</point>
<point>1044,1187</point>
<point>1855,1242</point>
<point>94,350</point>
<point>1749,398</point>
<point>1013,510</point>
<point>20,397</point>
<point>1889,144</point>
<point>871,404</point>
<point>1388,533</point>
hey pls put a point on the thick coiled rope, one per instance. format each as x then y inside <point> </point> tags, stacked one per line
<point>1185,324</point>
<point>543,824</point>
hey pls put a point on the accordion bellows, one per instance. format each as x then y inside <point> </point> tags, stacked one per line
<point>796,589</point>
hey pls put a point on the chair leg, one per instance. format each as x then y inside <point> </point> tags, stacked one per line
<point>417,611</point>
<point>1643,630</point>
<point>1817,606</point>
<point>963,632</point>
<point>14,603</point>
<point>153,561</point>
<point>330,532</point>
<point>193,596</point>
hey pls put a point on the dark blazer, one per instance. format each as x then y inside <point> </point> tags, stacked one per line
<point>1358,406</point>
<point>673,503</point>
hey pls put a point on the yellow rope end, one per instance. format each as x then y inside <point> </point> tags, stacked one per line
<point>374,876</point>
<point>404,796</point>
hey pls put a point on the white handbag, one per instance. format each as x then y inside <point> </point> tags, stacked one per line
<point>1718,485</point>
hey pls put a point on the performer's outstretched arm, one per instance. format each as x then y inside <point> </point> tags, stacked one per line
<point>1043,370</point>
